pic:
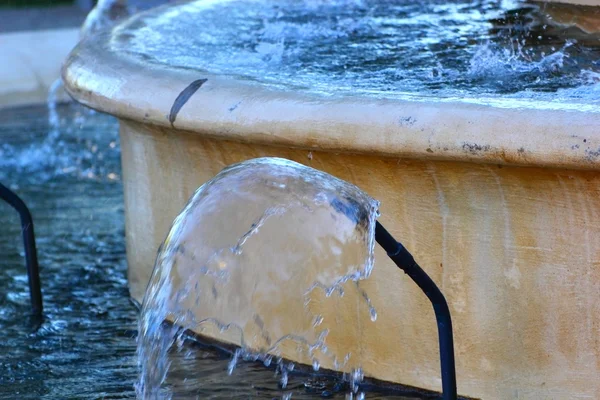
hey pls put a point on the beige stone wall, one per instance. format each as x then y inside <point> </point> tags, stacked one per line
<point>516,250</point>
<point>30,63</point>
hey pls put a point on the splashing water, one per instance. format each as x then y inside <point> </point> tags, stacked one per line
<point>248,261</point>
<point>64,151</point>
<point>382,48</point>
<point>104,15</point>
<point>72,145</point>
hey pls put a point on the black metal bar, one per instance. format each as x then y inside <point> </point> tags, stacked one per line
<point>33,272</point>
<point>405,261</point>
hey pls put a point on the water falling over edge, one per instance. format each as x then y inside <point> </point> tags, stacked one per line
<point>262,257</point>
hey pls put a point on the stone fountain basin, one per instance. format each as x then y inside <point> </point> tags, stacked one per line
<point>498,202</point>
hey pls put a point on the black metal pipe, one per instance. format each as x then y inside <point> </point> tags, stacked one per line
<point>405,261</point>
<point>31,261</point>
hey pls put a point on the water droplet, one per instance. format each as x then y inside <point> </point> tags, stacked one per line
<point>316,365</point>
<point>267,361</point>
<point>318,321</point>
<point>373,313</point>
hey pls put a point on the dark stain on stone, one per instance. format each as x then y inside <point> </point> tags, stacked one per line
<point>429,150</point>
<point>592,155</point>
<point>407,121</point>
<point>258,321</point>
<point>232,108</point>
<point>183,98</point>
<point>475,148</point>
<point>266,338</point>
<point>521,150</point>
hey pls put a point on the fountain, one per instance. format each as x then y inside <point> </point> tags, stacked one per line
<point>482,148</point>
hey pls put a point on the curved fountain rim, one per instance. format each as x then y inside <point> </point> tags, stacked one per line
<point>231,108</point>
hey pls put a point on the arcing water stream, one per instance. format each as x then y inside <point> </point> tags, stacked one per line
<point>244,260</point>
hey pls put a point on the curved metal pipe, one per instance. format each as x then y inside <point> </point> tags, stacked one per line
<point>405,261</point>
<point>31,261</point>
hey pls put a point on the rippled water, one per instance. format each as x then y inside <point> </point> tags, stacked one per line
<point>384,48</point>
<point>86,347</point>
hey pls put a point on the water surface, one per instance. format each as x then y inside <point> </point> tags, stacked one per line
<point>384,48</point>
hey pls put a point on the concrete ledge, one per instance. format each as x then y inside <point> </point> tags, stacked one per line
<point>31,62</point>
<point>526,133</point>
<point>593,3</point>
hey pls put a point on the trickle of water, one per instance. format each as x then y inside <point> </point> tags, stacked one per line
<point>355,378</point>
<point>234,361</point>
<point>372,310</point>
<point>52,100</point>
<point>284,378</point>
<point>352,396</point>
<point>318,320</point>
<point>241,260</point>
<point>316,365</point>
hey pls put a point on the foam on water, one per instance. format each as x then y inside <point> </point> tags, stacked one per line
<point>505,51</point>
<point>246,259</point>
